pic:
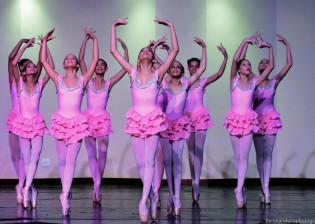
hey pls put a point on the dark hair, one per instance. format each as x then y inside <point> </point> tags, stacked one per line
<point>100,59</point>
<point>193,59</point>
<point>21,63</point>
<point>239,62</point>
<point>78,63</point>
<point>182,67</point>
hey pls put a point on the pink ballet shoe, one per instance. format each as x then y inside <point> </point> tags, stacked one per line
<point>170,204</point>
<point>143,211</point>
<point>34,196</point>
<point>65,203</point>
<point>244,193</point>
<point>195,192</point>
<point>177,205</point>
<point>153,205</point>
<point>26,200</point>
<point>19,195</point>
<point>266,194</point>
<point>239,198</point>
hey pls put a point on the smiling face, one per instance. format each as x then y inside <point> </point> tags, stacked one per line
<point>146,53</point>
<point>176,69</point>
<point>101,67</point>
<point>30,69</point>
<point>70,61</point>
<point>263,65</point>
<point>193,66</point>
<point>244,67</point>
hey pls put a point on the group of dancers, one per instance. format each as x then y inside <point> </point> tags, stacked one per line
<point>166,112</point>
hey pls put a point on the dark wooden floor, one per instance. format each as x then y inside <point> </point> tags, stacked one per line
<point>290,204</point>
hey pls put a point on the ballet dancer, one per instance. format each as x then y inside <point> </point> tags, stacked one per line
<point>175,94</point>
<point>97,93</point>
<point>145,120</point>
<point>29,124</point>
<point>241,121</point>
<point>269,120</point>
<point>69,125</point>
<point>200,119</point>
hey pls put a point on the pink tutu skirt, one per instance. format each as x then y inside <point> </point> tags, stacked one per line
<point>199,120</point>
<point>240,125</point>
<point>100,125</point>
<point>177,129</point>
<point>29,128</point>
<point>270,123</point>
<point>10,120</point>
<point>68,130</point>
<point>145,126</point>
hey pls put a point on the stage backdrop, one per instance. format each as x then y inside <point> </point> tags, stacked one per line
<point>215,21</point>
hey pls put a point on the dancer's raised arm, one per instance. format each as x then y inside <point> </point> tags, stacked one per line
<point>83,67</point>
<point>289,62</point>
<point>175,49</point>
<point>269,66</point>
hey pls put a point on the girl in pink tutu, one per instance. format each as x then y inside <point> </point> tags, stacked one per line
<point>175,94</point>
<point>200,119</point>
<point>29,124</point>
<point>68,125</point>
<point>97,93</point>
<point>145,120</point>
<point>241,121</point>
<point>269,120</point>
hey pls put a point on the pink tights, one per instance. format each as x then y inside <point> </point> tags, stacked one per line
<point>159,169</point>
<point>31,149</point>
<point>195,143</point>
<point>145,150</point>
<point>97,160</point>
<point>67,155</point>
<point>17,158</point>
<point>264,146</point>
<point>173,152</point>
<point>241,146</point>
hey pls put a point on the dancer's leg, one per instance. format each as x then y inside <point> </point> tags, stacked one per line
<point>259,143</point>
<point>17,158</point>
<point>90,144</point>
<point>37,143</point>
<point>138,145</point>
<point>178,147</point>
<point>159,169</point>
<point>200,138</point>
<point>25,146</point>
<point>191,153</point>
<point>101,161</point>
<point>62,154</point>
<point>268,149</point>
<point>71,157</point>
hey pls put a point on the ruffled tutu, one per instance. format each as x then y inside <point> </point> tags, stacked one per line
<point>240,125</point>
<point>145,126</point>
<point>69,130</point>
<point>29,128</point>
<point>199,120</point>
<point>177,129</point>
<point>100,125</point>
<point>10,120</point>
<point>270,123</point>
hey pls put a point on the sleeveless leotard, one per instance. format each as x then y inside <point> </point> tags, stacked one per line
<point>145,118</point>
<point>176,119</point>
<point>68,123</point>
<point>263,103</point>
<point>29,122</point>
<point>241,119</point>
<point>15,110</point>
<point>198,114</point>
<point>97,116</point>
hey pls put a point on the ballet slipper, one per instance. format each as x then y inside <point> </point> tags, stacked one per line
<point>239,198</point>
<point>244,193</point>
<point>195,191</point>
<point>176,204</point>
<point>266,194</point>
<point>153,204</point>
<point>143,211</point>
<point>262,196</point>
<point>65,203</point>
<point>34,196</point>
<point>26,200</point>
<point>19,195</point>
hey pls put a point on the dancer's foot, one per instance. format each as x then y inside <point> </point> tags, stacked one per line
<point>65,203</point>
<point>239,197</point>
<point>34,196</point>
<point>19,194</point>
<point>26,200</point>
<point>143,210</point>
<point>177,205</point>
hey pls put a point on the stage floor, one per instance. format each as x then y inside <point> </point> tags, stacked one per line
<point>289,204</point>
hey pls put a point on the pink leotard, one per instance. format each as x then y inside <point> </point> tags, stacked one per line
<point>263,104</point>
<point>241,119</point>
<point>195,110</point>
<point>145,118</point>
<point>15,110</point>
<point>176,120</point>
<point>68,123</point>
<point>97,116</point>
<point>29,122</point>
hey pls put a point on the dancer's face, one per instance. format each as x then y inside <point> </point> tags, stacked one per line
<point>263,65</point>
<point>30,69</point>
<point>146,53</point>
<point>70,61</point>
<point>193,67</point>
<point>176,69</point>
<point>245,67</point>
<point>156,66</point>
<point>100,67</point>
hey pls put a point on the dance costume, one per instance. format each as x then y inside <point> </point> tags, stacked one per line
<point>195,110</point>
<point>15,107</point>
<point>241,119</point>
<point>29,122</point>
<point>97,116</point>
<point>68,123</point>
<point>176,120</point>
<point>263,102</point>
<point>145,118</point>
